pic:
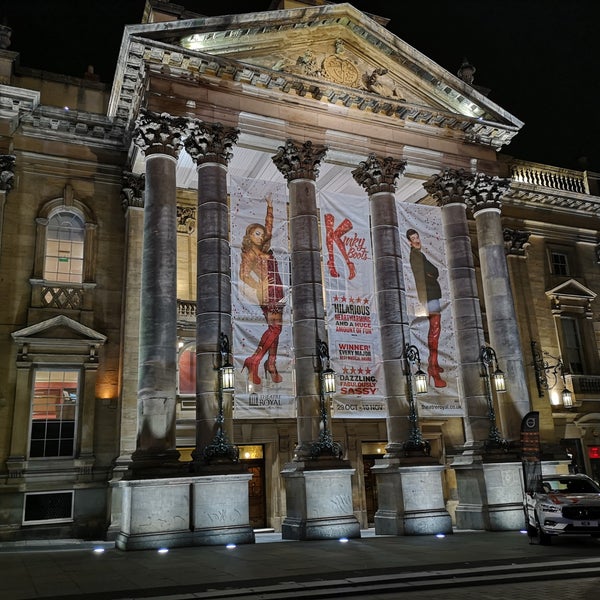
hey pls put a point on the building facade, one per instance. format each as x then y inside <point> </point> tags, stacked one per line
<point>288,193</point>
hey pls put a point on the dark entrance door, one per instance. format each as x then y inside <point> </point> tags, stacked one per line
<point>370,486</point>
<point>252,459</point>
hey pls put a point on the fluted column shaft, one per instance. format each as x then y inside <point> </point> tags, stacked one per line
<point>378,177</point>
<point>485,202</point>
<point>299,165</point>
<point>209,146</point>
<point>450,192</point>
<point>159,136</point>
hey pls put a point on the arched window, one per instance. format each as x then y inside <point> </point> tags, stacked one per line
<point>63,260</point>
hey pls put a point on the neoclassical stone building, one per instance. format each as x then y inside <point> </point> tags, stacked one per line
<point>282,196</point>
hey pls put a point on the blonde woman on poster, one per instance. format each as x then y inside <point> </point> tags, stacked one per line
<point>260,272</point>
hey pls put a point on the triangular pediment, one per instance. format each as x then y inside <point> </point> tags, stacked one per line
<point>58,328</point>
<point>571,289</point>
<point>332,53</point>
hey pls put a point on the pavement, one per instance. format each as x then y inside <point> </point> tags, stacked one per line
<point>370,567</point>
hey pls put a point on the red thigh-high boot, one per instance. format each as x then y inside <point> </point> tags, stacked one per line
<point>329,221</point>
<point>433,338</point>
<point>344,227</point>
<point>252,362</point>
<point>270,366</point>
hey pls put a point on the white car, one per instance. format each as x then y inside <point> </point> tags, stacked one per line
<point>563,504</point>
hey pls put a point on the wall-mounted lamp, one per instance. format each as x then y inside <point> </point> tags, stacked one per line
<point>489,361</point>
<point>547,374</point>
<point>325,444</point>
<point>220,448</point>
<point>415,442</point>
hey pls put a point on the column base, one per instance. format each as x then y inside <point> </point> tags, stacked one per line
<point>319,501</point>
<point>490,491</point>
<point>183,511</point>
<point>410,496</point>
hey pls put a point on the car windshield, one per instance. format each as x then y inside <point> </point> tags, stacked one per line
<point>570,486</point>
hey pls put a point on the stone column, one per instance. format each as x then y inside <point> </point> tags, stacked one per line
<point>299,165</point>
<point>409,481</point>
<point>318,487</point>
<point>132,200</point>
<point>449,190</point>
<point>159,137</point>
<point>488,480</point>
<point>209,145</point>
<point>378,177</point>
<point>485,201</point>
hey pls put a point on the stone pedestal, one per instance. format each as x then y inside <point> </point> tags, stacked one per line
<point>319,501</point>
<point>184,511</point>
<point>410,497</point>
<point>220,510</point>
<point>490,492</point>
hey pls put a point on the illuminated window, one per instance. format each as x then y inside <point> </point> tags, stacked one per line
<point>187,371</point>
<point>64,247</point>
<point>54,410</point>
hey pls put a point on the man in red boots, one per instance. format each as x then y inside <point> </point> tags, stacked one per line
<point>429,293</point>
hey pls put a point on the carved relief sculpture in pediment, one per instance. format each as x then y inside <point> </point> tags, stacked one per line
<point>340,66</point>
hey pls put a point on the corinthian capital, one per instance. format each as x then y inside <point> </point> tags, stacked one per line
<point>299,162</point>
<point>208,142</point>
<point>132,192</point>
<point>449,186</point>
<point>486,191</point>
<point>159,134</point>
<point>379,174</point>
<point>7,172</point>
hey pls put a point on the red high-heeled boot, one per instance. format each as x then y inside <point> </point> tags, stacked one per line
<point>434,369</point>
<point>251,365</point>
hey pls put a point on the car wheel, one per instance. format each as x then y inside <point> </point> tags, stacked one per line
<point>544,538</point>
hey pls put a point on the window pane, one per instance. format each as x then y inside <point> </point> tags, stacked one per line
<point>573,348</point>
<point>560,264</point>
<point>64,248</point>
<point>54,413</point>
<point>187,371</point>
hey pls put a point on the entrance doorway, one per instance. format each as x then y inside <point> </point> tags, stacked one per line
<point>370,487</point>
<point>252,458</point>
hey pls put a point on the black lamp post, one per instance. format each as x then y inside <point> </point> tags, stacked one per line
<point>488,359</point>
<point>220,447</point>
<point>325,444</point>
<point>541,367</point>
<point>415,442</point>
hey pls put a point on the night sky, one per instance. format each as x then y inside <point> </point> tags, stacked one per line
<point>539,58</point>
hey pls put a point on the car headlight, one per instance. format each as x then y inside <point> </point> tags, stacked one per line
<point>551,508</point>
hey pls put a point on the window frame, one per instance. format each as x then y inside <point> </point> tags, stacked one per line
<point>76,419</point>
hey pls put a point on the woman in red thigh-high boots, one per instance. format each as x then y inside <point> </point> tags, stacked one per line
<point>259,270</point>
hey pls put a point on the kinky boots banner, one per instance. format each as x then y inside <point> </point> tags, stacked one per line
<point>352,324</point>
<point>262,332</point>
<point>428,306</point>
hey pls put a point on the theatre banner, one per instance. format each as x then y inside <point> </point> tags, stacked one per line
<point>351,315</point>
<point>429,308</point>
<point>260,274</point>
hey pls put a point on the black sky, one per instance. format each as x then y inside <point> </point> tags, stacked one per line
<point>539,58</point>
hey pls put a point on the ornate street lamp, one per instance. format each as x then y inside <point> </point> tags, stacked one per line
<point>415,442</point>
<point>325,444</point>
<point>542,367</point>
<point>220,447</point>
<point>488,359</point>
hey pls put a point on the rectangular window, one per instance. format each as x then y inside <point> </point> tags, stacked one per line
<point>54,410</point>
<point>48,507</point>
<point>560,264</point>
<point>573,352</point>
